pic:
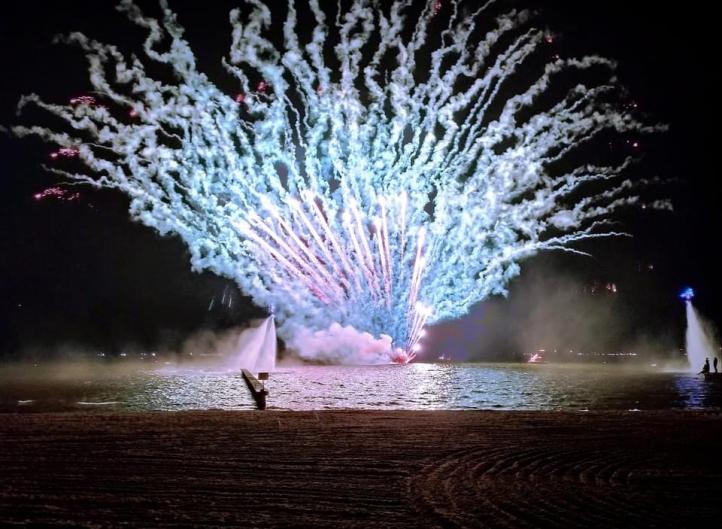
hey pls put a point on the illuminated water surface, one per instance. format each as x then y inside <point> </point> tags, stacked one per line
<point>416,386</point>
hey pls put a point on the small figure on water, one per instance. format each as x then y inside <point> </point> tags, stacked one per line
<point>705,367</point>
<point>714,363</point>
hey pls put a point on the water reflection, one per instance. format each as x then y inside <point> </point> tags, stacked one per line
<point>416,386</point>
<point>695,392</point>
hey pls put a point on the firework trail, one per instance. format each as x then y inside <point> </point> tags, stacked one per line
<point>362,200</point>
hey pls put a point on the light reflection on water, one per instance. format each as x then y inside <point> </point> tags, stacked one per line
<point>416,386</point>
<point>489,386</point>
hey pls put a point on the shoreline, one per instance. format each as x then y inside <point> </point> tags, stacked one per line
<point>356,468</point>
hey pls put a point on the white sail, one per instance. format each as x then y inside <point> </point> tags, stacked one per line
<point>256,348</point>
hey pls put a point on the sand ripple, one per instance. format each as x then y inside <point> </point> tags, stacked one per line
<point>546,486</point>
<point>365,470</point>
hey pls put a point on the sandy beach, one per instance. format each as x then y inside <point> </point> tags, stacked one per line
<point>361,469</point>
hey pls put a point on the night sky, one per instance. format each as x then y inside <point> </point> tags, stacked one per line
<point>80,274</point>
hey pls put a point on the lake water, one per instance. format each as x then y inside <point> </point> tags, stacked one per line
<point>57,387</point>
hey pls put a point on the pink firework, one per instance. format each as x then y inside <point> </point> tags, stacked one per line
<point>64,152</point>
<point>83,100</point>
<point>400,356</point>
<point>57,193</point>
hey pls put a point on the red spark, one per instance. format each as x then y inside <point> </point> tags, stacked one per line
<point>262,87</point>
<point>437,7</point>
<point>240,98</point>
<point>319,89</point>
<point>400,356</point>
<point>133,113</point>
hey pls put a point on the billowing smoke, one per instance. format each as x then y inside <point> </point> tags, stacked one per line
<point>369,191</point>
<point>342,345</point>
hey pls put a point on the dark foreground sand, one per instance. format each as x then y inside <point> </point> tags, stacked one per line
<point>361,469</point>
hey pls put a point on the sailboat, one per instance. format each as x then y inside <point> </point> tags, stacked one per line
<point>256,348</point>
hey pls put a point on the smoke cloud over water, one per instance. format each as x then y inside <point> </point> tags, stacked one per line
<point>567,306</point>
<point>342,345</point>
<point>359,203</point>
